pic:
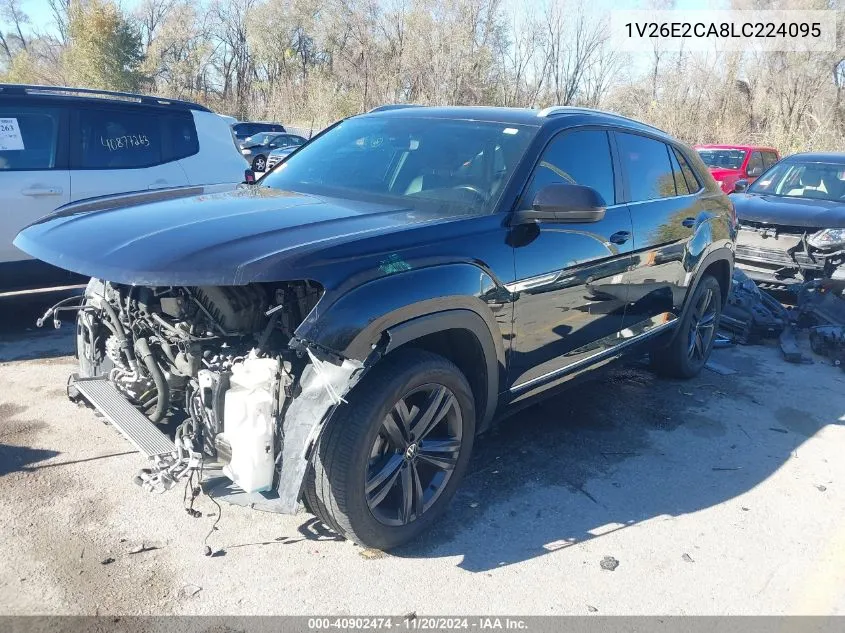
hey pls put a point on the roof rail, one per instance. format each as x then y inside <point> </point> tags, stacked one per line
<point>559,109</point>
<point>22,89</point>
<point>394,106</point>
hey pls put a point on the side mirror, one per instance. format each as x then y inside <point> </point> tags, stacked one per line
<point>563,203</point>
<point>740,186</point>
<point>754,172</point>
<point>249,177</point>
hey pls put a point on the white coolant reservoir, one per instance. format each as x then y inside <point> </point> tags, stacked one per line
<point>248,424</point>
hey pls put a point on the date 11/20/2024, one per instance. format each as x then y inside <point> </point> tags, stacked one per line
<point>417,623</point>
<point>127,141</point>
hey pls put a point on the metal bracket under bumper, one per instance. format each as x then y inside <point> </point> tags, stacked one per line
<point>134,425</point>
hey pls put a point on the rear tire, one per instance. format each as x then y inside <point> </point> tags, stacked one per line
<point>690,348</point>
<point>378,447</point>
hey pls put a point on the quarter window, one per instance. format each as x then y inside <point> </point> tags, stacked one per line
<point>689,175</point>
<point>28,138</point>
<point>118,139</point>
<point>647,165</point>
<point>180,137</point>
<point>681,187</point>
<point>581,157</point>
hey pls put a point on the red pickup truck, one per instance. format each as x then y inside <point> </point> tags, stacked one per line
<point>729,163</point>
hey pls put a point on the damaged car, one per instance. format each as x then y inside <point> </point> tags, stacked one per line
<point>338,333</point>
<point>792,222</point>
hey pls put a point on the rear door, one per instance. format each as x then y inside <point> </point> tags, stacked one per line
<point>34,179</point>
<point>660,189</point>
<point>117,149</point>
<point>568,276</point>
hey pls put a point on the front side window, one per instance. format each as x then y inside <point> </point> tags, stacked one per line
<point>409,161</point>
<point>581,157</point>
<point>118,139</point>
<point>824,181</point>
<point>646,162</point>
<point>28,138</point>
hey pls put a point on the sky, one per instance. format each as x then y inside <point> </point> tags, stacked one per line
<point>42,18</point>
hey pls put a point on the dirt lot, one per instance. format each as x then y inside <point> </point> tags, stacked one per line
<point>722,495</point>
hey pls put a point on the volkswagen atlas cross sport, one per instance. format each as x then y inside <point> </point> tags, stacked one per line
<point>341,331</point>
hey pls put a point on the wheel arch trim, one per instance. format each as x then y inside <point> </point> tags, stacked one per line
<point>457,319</point>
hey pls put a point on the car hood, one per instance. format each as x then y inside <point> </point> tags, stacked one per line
<point>230,238</point>
<point>785,211</point>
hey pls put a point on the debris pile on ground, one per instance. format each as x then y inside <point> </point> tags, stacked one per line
<point>751,316</point>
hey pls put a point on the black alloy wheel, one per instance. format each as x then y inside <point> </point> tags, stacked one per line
<point>702,327</point>
<point>389,460</point>
<point>414,454</point>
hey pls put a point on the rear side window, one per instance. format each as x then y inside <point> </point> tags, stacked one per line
<point>179,138</point>
<point>28,137</point>
<point>582,158</point>
<point>118,139</point>
<point>689,175</point>
<point>769,159</point>
<point>649,171</point>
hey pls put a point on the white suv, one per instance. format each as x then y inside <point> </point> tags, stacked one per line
<point>61,145</point>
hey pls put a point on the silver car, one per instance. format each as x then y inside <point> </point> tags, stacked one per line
<point>258,147</point>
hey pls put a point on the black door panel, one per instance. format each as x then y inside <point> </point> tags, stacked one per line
<point>568,287</point>
<point>664,214</point>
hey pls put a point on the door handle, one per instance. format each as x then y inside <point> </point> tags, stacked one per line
<point>620,237</point>
<point>36,191</point>
<point>161,182</point>
<point>688,222</point>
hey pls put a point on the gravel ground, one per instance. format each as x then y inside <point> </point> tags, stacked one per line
<point>721,495</point>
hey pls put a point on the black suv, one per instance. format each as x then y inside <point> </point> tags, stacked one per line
<point>245,129</point>
<point>341,331</point>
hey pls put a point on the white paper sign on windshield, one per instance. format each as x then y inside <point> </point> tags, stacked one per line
<point>10,135</point>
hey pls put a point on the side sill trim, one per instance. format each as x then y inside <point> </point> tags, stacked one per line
<point>561,371</point>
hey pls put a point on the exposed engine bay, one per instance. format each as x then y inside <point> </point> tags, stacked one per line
<point>221,364</point>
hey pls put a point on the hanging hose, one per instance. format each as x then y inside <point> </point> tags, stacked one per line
<point>124,342</point>
<point>162,387</point>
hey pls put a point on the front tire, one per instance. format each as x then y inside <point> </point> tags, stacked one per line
<point>690,348</point>
<point>389,462</point>
<point>259,163</point>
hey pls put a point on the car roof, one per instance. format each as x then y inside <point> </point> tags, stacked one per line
<point>515,116</point>
<point>91,95</point>
<point>744,148</point>
<point>818,157</point>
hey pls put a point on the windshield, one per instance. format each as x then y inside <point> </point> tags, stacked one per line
<point>722,158</point>
<point>412,161</point>
<point>823,181</point>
